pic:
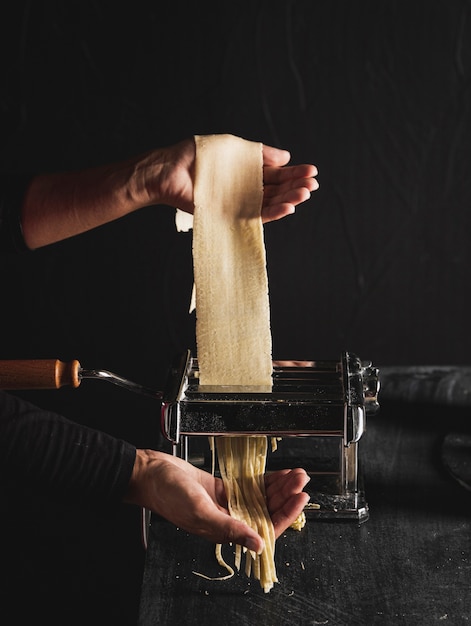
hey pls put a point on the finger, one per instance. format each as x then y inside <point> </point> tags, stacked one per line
<point>276,175</point>
<point>272,190</point>
<point>275,156</point>
<point>218,527</point>
<point>241,534</point>
<point>286,516</point>
<point>280,487</point>
<point>290,196</point>
<point>279,207</point>
<point>277,212</point>
<point>286,480</point>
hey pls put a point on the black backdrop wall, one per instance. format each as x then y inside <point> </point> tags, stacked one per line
<point>377,94</point>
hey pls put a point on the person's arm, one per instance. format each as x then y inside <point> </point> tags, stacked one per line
<point>66,456</point>
<point>72,461</point>
<point>42,450</point>
<point>58,206</point>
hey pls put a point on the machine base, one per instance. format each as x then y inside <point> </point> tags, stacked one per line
<point>322,460</point>
<point>329,504</point>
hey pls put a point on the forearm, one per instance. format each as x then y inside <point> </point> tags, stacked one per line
<point>45,451</point>
<point>58,206</point>
<point>136,492</point>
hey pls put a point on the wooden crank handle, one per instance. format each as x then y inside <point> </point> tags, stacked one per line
<point>38,374</point>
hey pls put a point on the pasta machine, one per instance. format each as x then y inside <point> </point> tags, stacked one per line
<point>314,411</point>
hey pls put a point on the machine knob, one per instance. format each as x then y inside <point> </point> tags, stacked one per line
<point>371,386</point>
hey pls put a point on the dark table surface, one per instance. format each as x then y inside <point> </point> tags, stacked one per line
<point>409,563</point>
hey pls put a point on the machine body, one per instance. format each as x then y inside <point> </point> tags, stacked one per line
<point>314,411</point>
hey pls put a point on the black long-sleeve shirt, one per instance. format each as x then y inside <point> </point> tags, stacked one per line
<point>41,448</point>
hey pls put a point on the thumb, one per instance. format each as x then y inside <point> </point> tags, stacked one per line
<point>245,536</point>
<point>234,531</point>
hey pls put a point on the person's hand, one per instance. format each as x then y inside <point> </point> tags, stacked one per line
<point>285,186</point>
<point>195,501</point>
<point>169,179</point>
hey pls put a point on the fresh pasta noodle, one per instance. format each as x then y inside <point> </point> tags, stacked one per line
<point>233,320</point>
<point>242,466</point>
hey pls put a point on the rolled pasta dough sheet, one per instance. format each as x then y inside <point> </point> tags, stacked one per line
<point>232,302</point>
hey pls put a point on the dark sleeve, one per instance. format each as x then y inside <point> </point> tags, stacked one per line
<point>12,190</point>
<point>43,450</point>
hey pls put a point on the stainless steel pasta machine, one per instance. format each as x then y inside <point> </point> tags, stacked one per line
<point>314,411</point>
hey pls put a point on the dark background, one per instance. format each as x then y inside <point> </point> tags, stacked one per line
<point>377,94</point>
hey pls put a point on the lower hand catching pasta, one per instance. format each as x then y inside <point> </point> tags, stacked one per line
<point>195,501</point>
